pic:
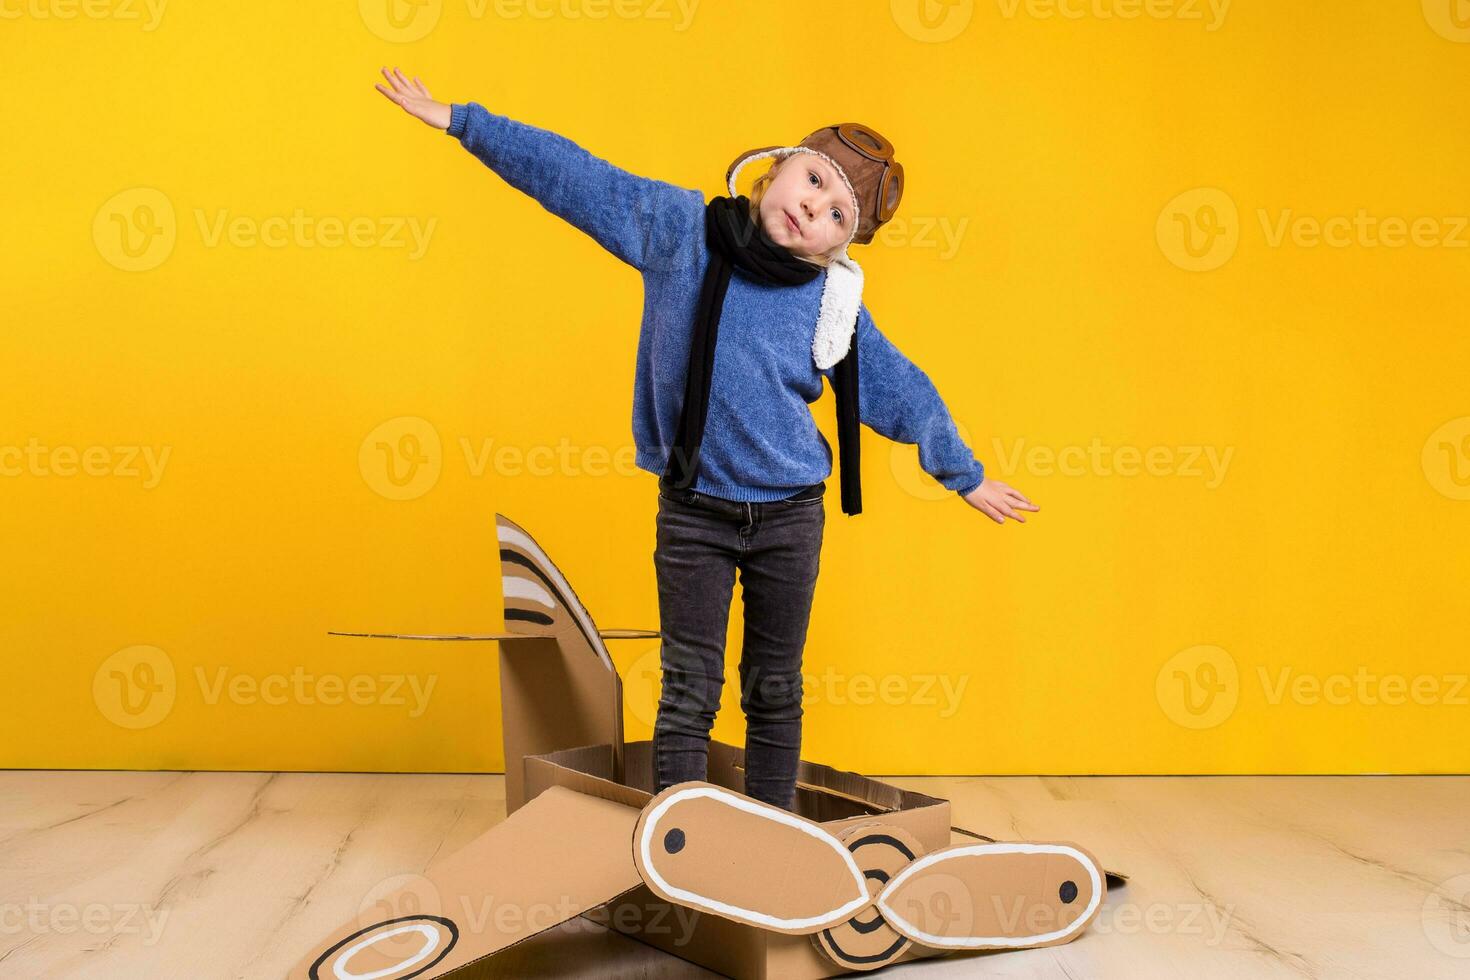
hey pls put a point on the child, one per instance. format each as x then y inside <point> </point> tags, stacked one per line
<point>741,462</point>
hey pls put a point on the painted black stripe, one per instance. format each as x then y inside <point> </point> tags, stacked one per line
<point>899,845</point>
<point>864,928</point>
<point>516,558</point>
<point>845,957</point>
<point>528,616</point>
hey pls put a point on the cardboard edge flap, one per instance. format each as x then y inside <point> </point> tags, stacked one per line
<point>562,854</point>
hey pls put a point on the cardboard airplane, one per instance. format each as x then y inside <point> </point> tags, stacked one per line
<point>861,874</point>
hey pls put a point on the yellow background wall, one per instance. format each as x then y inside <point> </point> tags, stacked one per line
<point>1250,442</point>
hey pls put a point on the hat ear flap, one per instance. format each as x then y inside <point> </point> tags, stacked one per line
<point>733,171</point>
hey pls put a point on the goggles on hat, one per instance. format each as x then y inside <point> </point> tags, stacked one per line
<point>872,145</point>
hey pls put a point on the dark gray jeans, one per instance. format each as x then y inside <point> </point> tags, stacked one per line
<point>776,546</point>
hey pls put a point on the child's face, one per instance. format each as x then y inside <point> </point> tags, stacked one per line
<point>807,207</point>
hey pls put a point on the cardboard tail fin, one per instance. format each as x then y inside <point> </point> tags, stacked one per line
<point>563,854</point>
<point>559,688</point>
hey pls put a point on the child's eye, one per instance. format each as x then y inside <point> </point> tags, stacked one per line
<point>836,212</point>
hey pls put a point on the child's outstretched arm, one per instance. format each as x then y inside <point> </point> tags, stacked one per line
<point>897,400</point>
<point>638,219</point>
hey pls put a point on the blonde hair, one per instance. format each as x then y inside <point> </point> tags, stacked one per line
<point>758,191</point>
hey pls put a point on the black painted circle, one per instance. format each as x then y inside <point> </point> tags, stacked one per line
<point>1068,892</point>
<point>833,947</point>
<point>315,970</point>
<point>674,841</point>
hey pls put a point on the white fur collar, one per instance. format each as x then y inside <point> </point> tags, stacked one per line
<point>842,295</point>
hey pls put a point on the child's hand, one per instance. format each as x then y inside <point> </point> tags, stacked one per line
<point>414,99</point>
<point>998,501</point>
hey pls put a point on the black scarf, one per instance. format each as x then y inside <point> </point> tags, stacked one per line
<point>735,240</point>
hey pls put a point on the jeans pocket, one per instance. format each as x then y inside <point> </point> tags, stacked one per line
<point>804,502</point>
<point>676,502</point>
<point>673,497</point>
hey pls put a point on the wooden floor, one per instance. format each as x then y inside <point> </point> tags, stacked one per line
<point>117,875</point>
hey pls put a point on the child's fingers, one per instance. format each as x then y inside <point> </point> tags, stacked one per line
<point>1009,490</point>
<point>1001,507</point>
<point>422,88</point>
<point>391,80</point>
<point>1019,499</point>
<point>991,513</point>
<point>386,94</point>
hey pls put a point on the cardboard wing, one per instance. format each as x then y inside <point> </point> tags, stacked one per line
<point>715,851</point>
<point>559,856</point>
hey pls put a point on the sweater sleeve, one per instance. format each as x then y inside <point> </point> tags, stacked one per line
<point>638,219</point>
<point>897,400</point>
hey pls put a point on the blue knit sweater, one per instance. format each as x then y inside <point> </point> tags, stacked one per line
<point>760,441</point>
